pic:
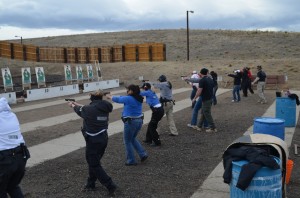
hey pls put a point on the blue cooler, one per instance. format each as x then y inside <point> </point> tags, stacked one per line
<point>286,109</point>
<point>266,183</point>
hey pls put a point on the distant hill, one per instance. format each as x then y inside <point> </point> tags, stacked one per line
<point>218,50</point>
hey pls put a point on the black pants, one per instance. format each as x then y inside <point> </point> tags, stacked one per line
<point>152,135</point>
<point>246,84</point>
<point>95,149</point>
<point>12,170</point>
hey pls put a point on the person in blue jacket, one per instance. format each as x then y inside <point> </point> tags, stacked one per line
<point>152,100</point>
<point>132,117</point>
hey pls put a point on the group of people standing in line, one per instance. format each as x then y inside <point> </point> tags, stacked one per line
<point>96,119</point>
<point>243,81</point>
<point>205,85</point>
<point>95,125</point>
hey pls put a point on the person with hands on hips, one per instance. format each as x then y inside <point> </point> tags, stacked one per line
<point>94,130</point>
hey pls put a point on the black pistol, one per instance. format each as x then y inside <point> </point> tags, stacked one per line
<point>70,100</point>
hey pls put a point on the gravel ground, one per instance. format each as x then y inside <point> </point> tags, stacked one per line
<point>176,169</point>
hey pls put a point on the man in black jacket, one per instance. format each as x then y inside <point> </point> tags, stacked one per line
<point>95,124</point>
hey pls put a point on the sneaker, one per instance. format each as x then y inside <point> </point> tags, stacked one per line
<point>232,100</point>
<point>211,130</point>
<point>263,102</point>
<point>198,128</point>
<point>130,164</point>
<point>191,126</point>
<point>259,101</point>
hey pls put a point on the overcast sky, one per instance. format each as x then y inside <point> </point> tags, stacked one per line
<point>42,18</point>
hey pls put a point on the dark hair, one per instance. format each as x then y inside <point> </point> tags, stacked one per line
<point>204,71</point>
<point>162,78</point>
<point>146,86</point>
<point>135,92</point>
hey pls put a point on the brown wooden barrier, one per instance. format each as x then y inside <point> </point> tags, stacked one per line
<point>93,54</point>
<point>144,52</point>
<point>117,53</point>
<point>31,53</point>
<point>158,51</point>
<point>106,54</point>
<point>6,49</point>
<point>82,55</point>
<point>18,51</point>
<point>71,57</point>
<point>53,54</point>
<point>130,52</point>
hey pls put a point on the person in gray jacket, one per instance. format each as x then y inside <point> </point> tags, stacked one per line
<point>166,99</point>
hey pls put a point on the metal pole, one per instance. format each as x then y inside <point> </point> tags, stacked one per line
<point>21,40</point>
<point>187,36</point>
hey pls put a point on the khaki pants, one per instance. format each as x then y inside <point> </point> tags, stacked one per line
<point>168,108</point>
<point>260,90</point>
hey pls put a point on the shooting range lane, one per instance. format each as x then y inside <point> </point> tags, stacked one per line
<point>34,110</point>
<point>38,126</point>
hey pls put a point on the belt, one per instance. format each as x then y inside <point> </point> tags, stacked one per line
<point>125,119</point>
<point>13,151</point>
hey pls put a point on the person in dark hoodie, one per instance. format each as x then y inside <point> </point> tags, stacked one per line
<point>132,117</point>
<point>95,124</point>
<point>236,85</point>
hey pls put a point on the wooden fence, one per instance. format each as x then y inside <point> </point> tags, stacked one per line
<point>106,54</point>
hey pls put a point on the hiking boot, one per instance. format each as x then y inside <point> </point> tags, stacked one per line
<point>89,187</point>
<point>144,158</point>
<point>155,144</point>
<point>112,189</point>
<point>211,130</point>
<point>147,142</point>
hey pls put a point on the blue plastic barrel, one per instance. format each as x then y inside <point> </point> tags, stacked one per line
<point>286,109</point>
<point>270,126</point>
<point>266,183</point>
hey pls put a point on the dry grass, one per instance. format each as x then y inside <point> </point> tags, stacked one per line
<point>221,51</point>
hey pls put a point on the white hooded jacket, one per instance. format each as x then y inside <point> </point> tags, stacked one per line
<point>10,134</point>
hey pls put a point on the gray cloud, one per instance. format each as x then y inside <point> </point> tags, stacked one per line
<point>111,15</point>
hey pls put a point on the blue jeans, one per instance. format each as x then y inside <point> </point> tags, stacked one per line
<point>131,130</point>
<point>236,93</point>
<point>193,93</point>
<point>214,98</point>
<point>196,109</point>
